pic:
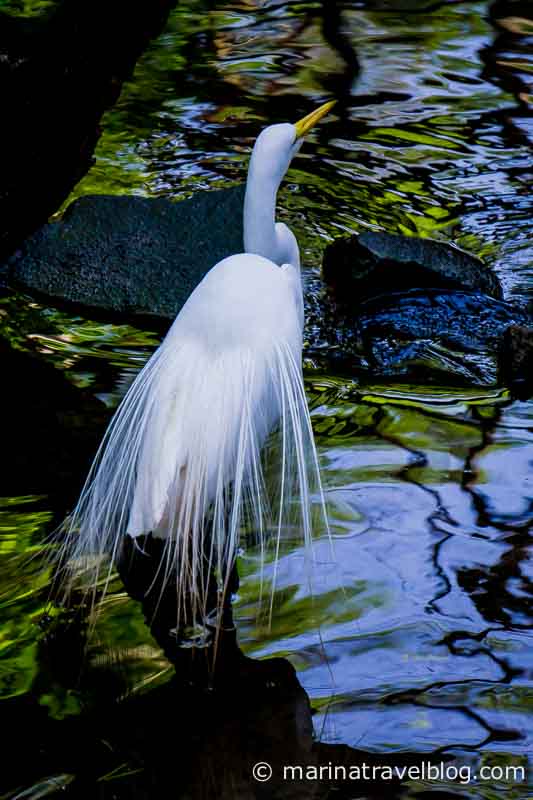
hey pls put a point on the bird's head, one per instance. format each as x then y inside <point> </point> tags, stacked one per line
<point>271,157</point>
<point>276,145</point>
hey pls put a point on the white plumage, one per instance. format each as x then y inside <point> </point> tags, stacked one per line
<point>184,455</point>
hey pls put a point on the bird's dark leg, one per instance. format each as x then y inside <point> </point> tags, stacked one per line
<point>219,663</point>
<point>144,579</point>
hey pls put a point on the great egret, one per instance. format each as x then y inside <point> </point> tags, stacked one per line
<point>182,457</point>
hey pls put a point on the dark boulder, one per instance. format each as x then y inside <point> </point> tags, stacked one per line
<point>129,256</point>
<point>372,263</point>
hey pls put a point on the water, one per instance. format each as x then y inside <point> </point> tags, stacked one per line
<point>417,640</point>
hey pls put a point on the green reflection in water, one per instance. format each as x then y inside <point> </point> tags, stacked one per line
<point>23,598</point>
<point>26,8</point>
<point>80,348</point>
<point>122,644</point>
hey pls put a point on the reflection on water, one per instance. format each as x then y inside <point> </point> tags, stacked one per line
<point>416,636</point>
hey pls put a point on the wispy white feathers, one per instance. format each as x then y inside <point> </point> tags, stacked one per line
<point>184,457</point>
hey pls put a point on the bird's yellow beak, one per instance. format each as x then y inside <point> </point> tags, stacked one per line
<point>304,125</point>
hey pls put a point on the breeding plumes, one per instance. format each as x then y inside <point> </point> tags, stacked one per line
<point>184,456</point>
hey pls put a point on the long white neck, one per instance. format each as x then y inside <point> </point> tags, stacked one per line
<point>259,220</point>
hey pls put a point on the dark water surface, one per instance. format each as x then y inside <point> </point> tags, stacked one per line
<point>417,637</point>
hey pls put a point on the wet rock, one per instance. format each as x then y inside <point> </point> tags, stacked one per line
<point>130,256</point>
<point>422,309</point>
<point>371,263</point>
<point>463,320</point>
<point>516,359</point>
<point>433,334</point>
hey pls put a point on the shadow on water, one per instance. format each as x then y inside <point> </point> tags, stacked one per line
<point>415,643</point>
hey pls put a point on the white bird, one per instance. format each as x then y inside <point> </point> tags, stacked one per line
<point>183,457</point>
